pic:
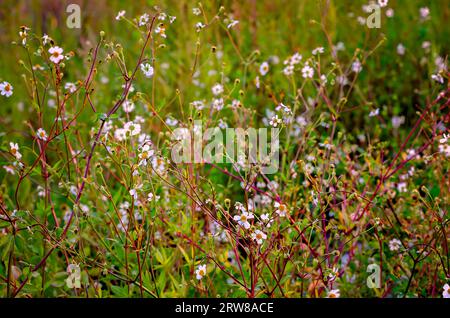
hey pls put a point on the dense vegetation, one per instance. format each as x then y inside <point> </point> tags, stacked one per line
<point>92,203</point>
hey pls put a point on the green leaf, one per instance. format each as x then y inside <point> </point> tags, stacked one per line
<point>435,191</point>
<point>119,291</point>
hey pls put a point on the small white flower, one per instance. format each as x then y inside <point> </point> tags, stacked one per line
<point>264,68</point>
<point>133,128</point>
<point>374,112</point>
<point>151,197</point>
<point>445,149</point>
<point>342,80</point>
<point>128,106</point>
<point>395,244</point>
<point>23,34</point>
<point>286,110</point>
<point>243,218</point>
<point>441,64</point>
<point>288,70</point>
<point>71,87</point>
<point>10,170</point>
<point>162,16</point>
<point>236,104</point>
<point>308,168</point>
<point>424,12</point>
<point>401,49</point>
<point>397,121</point>
<point>334,293</point>
<point>84,208</point>
<point>412,154</point>
<point>383,3</point>
<point>145,154</point>
<point>45,39</point>
<point>161,30</point>
<point>217,89</point>
<point>14,149</point>
<point>318,50</point>
<point>6,89</point>
<point>199,26</point>
<point>307,71</point>
<point>134,191</point>
<point>147,69</point>
<point>143,19</point>
<point>333,274</point>
<point>357,66</point>
<point>42,134</point>
<point>273,185</point>
<point>171,121</point>
<point>198,104</point>
<point>437,78</point>
<point>259,236</point>
<point>257,83</point>
<point>281,209</point>
<point>56,55</point>
<point>444,138</point>
<point>217,103</point>
<point>446,291</point>
<point>275,121</point>
<point>296,58</point>
<point>390,13</point>
<point>222,124</point>
<point>402,187</point>
<point>120,134</point>
<point>196,11</point>
<point>134,194</point>
<point>232,23</point>
<point>120,15</point>
<point>200,272</point>
<point>158,164</point>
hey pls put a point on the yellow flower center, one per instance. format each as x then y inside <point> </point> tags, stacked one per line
<point>55,54</point>
<point>7,87</point>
